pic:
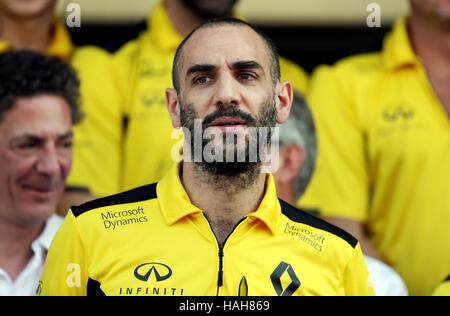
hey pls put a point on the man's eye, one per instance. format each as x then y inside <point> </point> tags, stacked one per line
<point>67,144</point>
<point>246,76</point>
<point>26,146</point>
<point>202,80</point>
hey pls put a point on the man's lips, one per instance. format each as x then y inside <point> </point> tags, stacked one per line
<point>39,191</point>
<point>228,123</point>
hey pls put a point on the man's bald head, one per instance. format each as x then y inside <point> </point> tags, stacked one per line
<point>271,48</point>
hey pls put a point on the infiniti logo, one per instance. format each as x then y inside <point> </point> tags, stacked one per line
<point>144,271</point>
<point>393,114</point>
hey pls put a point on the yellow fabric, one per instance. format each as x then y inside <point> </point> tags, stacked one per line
<point>98,137</point>
<point>384,148</point>
<point>443,289</point>
<point>3,47</point>
<point>142,72</point>
<point>61,45</point>
<point>122,242</point>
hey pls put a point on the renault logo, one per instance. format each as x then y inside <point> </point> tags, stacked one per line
<point>144,271</point>
<point>276,280</point>
<point>39,288</point>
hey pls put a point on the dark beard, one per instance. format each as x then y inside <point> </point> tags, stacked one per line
<point>220,173</point>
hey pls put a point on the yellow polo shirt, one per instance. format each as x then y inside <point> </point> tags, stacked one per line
<point>443,289</point>
<point>125,139</point>
<point>384,147</point>
<point>61,45</point>
<point>152,241</point>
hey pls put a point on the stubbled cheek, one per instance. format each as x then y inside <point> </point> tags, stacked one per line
<point>66,166</point>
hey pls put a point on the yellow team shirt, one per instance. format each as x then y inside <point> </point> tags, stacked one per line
<point>384,153</point>
<point>152,241</point>
<point>126,139</point>
<point>443,289</point>
<point>61,45</point>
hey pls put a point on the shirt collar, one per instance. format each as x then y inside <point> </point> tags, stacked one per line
<point>269,210</point>
<point>175,203</point>
<point>45,238</point>
<point>161,29</point>
<point>397,49</point>
<point>61,45</point>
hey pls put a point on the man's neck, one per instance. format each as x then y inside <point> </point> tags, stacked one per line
<point>183,18</point>
<point>15,246</point>
<point>224,202</point>
<point>430,41</point>
<point>32,34</point>
<point>285,192</point>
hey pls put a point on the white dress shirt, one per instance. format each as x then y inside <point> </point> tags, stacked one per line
<point>385,281</point>
<point>26,283</point>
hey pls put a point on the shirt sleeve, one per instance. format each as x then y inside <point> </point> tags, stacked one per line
<point>340,185</point>
<point>65,271</point>
<point>357,281</point>
<point>98,137</point>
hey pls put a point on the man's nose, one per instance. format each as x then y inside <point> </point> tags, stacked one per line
<point>48,161</point>
<point>227,91</point>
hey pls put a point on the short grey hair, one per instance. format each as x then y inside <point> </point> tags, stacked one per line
<point>300,129</point>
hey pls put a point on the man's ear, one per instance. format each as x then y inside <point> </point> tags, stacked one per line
<point>292,157</point>
<point>284,101</point>
<point>173,106</point>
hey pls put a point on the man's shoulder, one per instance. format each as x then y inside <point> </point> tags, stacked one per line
<point>139,194</point>
<point>353,75</point>
<point>301,217</point>
<point>91,62</point>
<point>359,65</point>
<point>90,53</point>
<point>126,36</point>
